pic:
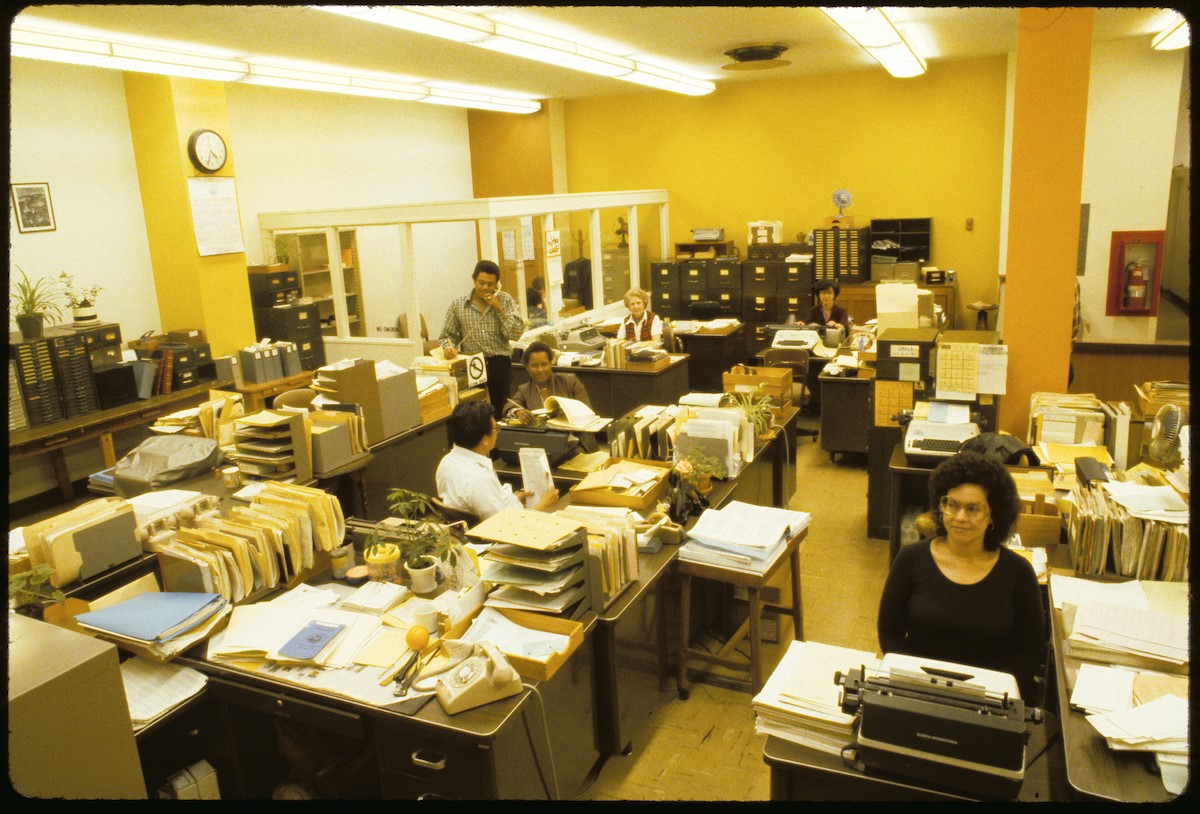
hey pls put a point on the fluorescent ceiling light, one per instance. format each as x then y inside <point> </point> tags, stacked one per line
<point>878,35</point>
<point>174,63</point>
<point>1176,35</point>
<point>474,29</point>
<point>37,43</point>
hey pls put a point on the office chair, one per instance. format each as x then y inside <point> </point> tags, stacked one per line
<point>300,399</point>
<point>704,310</point>
<point>451,515</point>
<point>670,342</point>
<point>797,360</point>
<point>427,344</point>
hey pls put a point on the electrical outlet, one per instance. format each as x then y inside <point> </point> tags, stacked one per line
<point>970,224</point>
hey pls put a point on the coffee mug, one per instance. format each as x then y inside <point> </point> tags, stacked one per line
<point>425,614</point>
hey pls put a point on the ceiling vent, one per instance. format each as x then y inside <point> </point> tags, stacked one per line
<point>756,58</point>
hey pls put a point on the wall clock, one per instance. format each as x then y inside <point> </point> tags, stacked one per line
<point>207,150</point>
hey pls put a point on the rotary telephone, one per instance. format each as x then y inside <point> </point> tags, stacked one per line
<point>479,679</point>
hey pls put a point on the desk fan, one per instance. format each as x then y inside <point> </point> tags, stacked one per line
<point>841,199</point>
<point>1165,446</point>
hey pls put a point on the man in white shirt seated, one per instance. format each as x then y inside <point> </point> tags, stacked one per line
<point>466,479</point>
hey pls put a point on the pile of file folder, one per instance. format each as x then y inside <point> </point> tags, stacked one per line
<point>157,624</point>
<point>1132,529</point>
<point>742,536</point>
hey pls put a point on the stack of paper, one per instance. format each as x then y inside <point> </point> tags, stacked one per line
<point>800,701</point>
<point>742,536</point>
<point>571,414</point>
<point>158,624</point>
<point>153,689</point>
<point>537,560</point>
<point>101,483</point>
<point>1159,726</point>
<point>376,597</point>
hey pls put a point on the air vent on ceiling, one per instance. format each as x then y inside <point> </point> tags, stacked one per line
<point>755,57</point>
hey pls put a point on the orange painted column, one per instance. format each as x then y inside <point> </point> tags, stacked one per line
<point>1046,177</point>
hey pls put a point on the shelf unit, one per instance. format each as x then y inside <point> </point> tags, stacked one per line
<point>912,236</point>
<point>309,253</point>
<point>700,249</point>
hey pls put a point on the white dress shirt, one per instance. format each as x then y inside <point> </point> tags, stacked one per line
<point>466,480</point>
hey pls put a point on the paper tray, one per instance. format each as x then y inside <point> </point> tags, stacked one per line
<point>531,668</point>
<point>605,497</point>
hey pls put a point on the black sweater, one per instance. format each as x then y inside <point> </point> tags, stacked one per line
<point>997,623</point>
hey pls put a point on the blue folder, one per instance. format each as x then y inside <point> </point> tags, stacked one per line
<point>154,616</point>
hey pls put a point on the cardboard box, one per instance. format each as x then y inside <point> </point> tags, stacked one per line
<point>605,497</point>
<point>390,404</point>
<point>904,354</point>
<point>330,447</point>
<point>192,336</point>
<point>435,404</point>
<point>1149,407</point>
<point>775,382</point>
<point>1040,522</point>
<point>543,670</point>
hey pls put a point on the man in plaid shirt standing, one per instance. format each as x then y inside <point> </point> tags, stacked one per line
<point>484,322</point>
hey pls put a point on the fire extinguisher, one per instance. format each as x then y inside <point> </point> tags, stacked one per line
<point>1137,283</point>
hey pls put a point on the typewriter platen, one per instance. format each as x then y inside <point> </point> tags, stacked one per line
<point>950,725</point>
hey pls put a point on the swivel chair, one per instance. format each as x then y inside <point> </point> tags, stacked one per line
<point>452,515</point>
<point>704,310</point>
<point>797,360</point>
<point>301,399</point>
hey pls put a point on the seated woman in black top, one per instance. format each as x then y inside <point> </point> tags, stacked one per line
<point>962,596</point>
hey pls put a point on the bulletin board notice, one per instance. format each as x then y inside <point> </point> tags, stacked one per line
<point>215,216</point>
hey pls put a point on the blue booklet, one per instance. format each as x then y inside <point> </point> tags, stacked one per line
<point>154,616</point>
<point>310,641</point>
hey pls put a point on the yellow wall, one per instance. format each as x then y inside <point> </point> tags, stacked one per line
<point>510,155</point>
<point>212,292</point>
<point>776,150</point>
<point>1049,120</point>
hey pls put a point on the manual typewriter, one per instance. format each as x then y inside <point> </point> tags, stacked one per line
<point>945,724</point>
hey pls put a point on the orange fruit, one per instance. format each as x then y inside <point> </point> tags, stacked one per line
<point>417,637</point>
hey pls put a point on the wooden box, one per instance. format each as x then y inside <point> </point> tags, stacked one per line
<point>1040,522</point>
<point>640,503</point>
<point>775,382</point>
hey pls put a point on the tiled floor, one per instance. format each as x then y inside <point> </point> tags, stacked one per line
<point>705,748</point>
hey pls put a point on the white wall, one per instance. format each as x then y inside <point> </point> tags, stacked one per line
<point>70,129</point>
<point>291,150</point>
<point>1129,149</point>
<point>296,150</point>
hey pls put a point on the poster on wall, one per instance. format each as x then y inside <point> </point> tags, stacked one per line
<point>215,216</point>
<point>31,202</point>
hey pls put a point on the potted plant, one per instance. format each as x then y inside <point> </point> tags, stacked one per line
<point>81,300</point>
<point>759,410</point>
<point>416,539</point>
<point>32,302</point>
<point>698,468</point>
<point>29,591</point>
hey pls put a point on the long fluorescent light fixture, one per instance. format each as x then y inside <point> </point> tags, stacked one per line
<point>878,35</point>
<point>36,43</point>
<point>1176,35</point>
<point>474,29</point>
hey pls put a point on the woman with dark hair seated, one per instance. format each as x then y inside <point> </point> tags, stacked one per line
<point>963,596</point>
<point>826,312</point>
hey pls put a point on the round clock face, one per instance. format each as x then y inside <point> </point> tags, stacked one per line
<point>207,150</point>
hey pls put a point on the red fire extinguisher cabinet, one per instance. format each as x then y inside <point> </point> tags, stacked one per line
<point>1134,274</point>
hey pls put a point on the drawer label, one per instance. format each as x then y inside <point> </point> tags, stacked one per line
<point>906,351</point>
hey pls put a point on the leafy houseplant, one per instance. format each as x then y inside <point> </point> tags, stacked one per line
<point>759,410</point>
<point>418,536</point>
<point>32,302</point>
<point>28,590</point>
<point>79,297</point>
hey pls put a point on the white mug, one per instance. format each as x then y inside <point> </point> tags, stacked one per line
<point>425,614</point>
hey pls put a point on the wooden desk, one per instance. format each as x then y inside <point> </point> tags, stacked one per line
<point>494,752</point>
<point>1094,771</point>
<point>710,354</point>
<point>802,773</point>
<point>52,439</point>
<point>753,583</point>
<point>257,397</point>
<point>615,392</point>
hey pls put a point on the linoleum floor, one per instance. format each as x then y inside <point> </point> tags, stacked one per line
<point>705,748</point>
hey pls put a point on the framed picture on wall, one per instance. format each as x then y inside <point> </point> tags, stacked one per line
<point>32,204</point>
<point>1134,273</point>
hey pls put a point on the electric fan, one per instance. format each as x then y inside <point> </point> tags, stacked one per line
<point>841,199</point>
<point>1164,447</point>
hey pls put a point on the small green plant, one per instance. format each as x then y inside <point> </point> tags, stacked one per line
<point>78,297</point>
<point>31,588</point>
<point>695,463</point>
<point>759,410</point>
<point>33,298</point>
<point>419,536</point>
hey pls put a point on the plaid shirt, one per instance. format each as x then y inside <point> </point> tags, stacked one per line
<point>487,332</point>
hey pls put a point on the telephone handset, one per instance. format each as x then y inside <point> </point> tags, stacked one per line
<point>481,678</point>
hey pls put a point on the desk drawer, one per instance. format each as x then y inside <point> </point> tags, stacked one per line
<point>282,705</point>
<point>427,762</point>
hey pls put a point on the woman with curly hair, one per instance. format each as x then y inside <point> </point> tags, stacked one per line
<point>962,596</point>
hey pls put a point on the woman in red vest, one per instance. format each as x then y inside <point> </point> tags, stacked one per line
<point>641,325</point>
